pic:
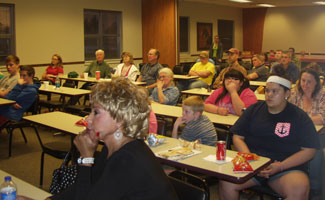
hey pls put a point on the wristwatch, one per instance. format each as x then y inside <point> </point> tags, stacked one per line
<point>89,160</point>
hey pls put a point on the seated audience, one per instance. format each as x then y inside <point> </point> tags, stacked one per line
<point>125,168</point>
<point>9,81</point>
<point>24,93</point>
<point>233,55</point>
<point>309,95</point>
<point>198,126</point>
<point>165,92</point>
<point>294,58</point>
<point>127,69</point>
<point>289,67</point>
<point>216,50</point>
<point>149,72</point>
<point>280,131</point>
<point>203,69</point>
<point>232,97</point>
<point>55,68</point>
<point>259,72</point>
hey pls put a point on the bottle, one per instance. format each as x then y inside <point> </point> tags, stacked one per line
<point>57,82</point>
<point>8,189</point>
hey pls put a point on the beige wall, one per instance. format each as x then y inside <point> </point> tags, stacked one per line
<point>210,13</point>
<point>46,27</point>
<point>300,27</point>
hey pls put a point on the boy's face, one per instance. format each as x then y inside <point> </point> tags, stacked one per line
<point>189,114</point>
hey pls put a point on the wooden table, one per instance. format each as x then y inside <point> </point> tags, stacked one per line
<point>6,102</point>
<point>176,111</point>
<point>184,77</point>
<point>92,79</point>
<point>204,93</point>
<point>24,188</point>
<point>198,164</point>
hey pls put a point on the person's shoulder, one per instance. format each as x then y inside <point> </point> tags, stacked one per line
<point>296,111</point>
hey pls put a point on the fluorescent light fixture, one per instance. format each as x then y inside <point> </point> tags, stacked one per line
<point>265,5</point>
<point>319,2</point>
<point>241,1</point>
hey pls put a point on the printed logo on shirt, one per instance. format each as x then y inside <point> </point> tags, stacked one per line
<point>282,129</point>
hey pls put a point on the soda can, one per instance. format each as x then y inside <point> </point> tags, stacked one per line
<point>97,75</point>
<point>221,150</point>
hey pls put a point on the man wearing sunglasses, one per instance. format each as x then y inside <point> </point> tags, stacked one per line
<point>9,81</point>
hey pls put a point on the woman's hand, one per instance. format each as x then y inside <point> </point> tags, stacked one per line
<point>231,87</point>
<point>87,143</point>
<point>222,111</point>
<point>160,84</point>
<point>270,170</point>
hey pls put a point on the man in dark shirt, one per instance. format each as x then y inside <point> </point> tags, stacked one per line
<point>149,72</point>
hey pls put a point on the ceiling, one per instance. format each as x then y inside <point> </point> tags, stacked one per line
<point>277,3</point>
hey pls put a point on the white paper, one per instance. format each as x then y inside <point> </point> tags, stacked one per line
<point>213,158</point>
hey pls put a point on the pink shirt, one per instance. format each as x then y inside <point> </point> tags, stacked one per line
<point>152,122</point>
<point>247,96</point>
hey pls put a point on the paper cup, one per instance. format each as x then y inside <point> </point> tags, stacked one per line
<point>46,84</point>
<point>85,75</point>
<point>97,75</point>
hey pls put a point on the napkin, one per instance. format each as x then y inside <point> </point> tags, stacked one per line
<point>213,158</point>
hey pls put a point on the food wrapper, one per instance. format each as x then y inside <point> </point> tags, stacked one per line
<point>191,145</point>
<point>241,165</point>
<point>248,156</point>
<point>155,140</point>
<point>82,122</point>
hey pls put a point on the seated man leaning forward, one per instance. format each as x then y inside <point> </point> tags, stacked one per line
<point>232,97</point>
<point>281,131</point>
<point>24,93</point>
<point>203,69</point>
<point>165,92</point>
<point>198,126</point>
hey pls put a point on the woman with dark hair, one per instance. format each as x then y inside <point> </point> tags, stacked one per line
<point>309,95</point>
<point>280,131</point>
<point>55,68</point>
<point>232,97</point>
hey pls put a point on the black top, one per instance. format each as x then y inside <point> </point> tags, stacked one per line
<point>276,136</point>
<point>130,173</point>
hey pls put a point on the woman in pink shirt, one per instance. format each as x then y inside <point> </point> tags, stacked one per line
<point>232,97</point>
<point>55,68</point>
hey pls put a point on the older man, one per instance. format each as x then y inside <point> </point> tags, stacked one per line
<point>259,72</point>
<point>149,72</point>
<point>233,55</point>
<point>9,81</point>
<point>98,65</point>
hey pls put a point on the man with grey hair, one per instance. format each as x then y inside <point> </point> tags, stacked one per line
<point>98,65</point>
<point>149,72</point>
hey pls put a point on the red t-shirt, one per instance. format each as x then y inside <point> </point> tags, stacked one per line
<point>54,71</point>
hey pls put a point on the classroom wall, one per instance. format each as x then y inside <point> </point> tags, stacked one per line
<point>299,27</point>
<point>47,27</point>
<point>210,13</point>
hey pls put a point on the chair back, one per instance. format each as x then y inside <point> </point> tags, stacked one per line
<point>186,191</point>
<point>225,135</point>
<point>178,69</point>
<point>199,186</point>
<point>161,127</point>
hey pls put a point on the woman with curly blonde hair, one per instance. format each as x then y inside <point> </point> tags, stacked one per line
<point>125,168</point>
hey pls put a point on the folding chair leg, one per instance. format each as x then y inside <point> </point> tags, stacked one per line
<point>23,134</point>
<point>41,171</point>
<point>10,140</point>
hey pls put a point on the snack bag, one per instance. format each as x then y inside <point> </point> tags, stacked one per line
<point>191,145</point>
<point>243,167</point>
<point>248,156</point>
<point>82,122</point>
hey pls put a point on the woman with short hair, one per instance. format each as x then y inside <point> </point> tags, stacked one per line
<point>127,69</point>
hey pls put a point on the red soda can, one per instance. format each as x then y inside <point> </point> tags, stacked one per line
<point>221,150</point>
<point>97,75</point>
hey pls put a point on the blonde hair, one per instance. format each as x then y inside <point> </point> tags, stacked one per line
<point>195,103</point>
<point>126,103</point>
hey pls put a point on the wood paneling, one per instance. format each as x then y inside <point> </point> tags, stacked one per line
<point>159,29</point>
<point>253,26</point>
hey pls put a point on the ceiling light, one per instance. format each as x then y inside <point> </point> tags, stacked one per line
<point>265,5</point>
<point>319,2</point>
<point>241,1</point>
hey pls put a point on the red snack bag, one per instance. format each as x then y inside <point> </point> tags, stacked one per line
<point>82,122</point>
<point>243,167</point>
<point>238,160</point>
<point>248,156</point>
